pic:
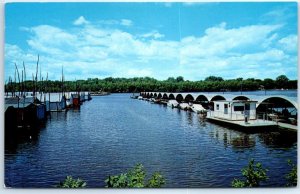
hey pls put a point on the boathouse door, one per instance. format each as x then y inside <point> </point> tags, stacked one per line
<point>247,110</point>
<point>225,108</point>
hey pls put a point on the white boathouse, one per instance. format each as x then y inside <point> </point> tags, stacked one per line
<point>234,110</point>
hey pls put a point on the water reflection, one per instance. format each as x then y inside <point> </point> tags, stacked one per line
<point>17,138</point>
<point>242,142</point>
<point>190,117</point>
<point>278,139</point>
<point>225,140</point>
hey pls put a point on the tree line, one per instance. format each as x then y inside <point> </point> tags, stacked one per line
<point>140,84</point>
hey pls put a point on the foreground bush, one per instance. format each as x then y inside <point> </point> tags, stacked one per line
<point>69,182</point>
<point>253,173</point>
<point>135,178</point>
<point>292,175</point>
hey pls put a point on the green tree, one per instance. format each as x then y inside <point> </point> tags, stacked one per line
<point>179,79</point>
<point>69,182</point>
<point>292,175</point>
<point>253,173</point>
<point>171,79</point>
<point>282,81</point>
<point>268,83</point>
<point>135,178</point>
<point>214,79</point>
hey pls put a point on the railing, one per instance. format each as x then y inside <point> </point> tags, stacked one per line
<point>241,116</point>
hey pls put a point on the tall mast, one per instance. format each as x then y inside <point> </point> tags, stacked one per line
<point>37,69</point>
<point>18,77</point>
<point>15,82</point>
<point>22,85</point>
<point>24,78</point>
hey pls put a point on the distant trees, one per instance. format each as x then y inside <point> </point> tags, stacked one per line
<point>214,79</point>
<point>282,81</point>
<point>269,83</point>
<point>179,79</point>
<point>139,84</point>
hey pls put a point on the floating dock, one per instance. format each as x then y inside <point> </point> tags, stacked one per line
<point>249,125</point>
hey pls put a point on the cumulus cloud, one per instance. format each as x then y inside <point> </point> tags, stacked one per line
<point>80,21</point>
<point>95,51</point>
<point>126,22</point>
<point>289,43</point>
<point>153,34</point>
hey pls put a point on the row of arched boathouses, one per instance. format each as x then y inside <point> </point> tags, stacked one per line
<point>271,109</point>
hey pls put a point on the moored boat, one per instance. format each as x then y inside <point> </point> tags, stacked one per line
<point>198,108</point>
<point>173,103</point>
<point>184,106</point>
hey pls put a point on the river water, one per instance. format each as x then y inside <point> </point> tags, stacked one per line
<point>110,134</point>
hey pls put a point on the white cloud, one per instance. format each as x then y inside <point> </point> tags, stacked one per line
<point>80,21</point>
<point>153,34</point>
<point>139,73</point>
<point>219,41</point>
<point>126,22</point>
<point>289,43</point>
<point>280,14</point>
<point>93,51</point>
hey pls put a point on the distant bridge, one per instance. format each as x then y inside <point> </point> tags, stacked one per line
<point>276,101</point>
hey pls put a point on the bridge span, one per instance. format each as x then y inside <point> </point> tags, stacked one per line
<point>277,101</point>
<point>279,108</point>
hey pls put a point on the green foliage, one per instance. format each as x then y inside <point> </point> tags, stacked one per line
<point>253,173</point>
<point>282,81</point>
<point>135,178</point>
<point>69,182</point>
<point>292,175</point>
<point>214,79</point>
<point>156,181</point>
<point>140,84</point>
<point>179,79</point>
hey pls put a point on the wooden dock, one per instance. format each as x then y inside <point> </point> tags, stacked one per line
<point>250,123</point>
<point>288,126</point>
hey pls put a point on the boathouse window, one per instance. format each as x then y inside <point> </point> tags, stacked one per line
<point>238,108</point>
<point>218,106</point>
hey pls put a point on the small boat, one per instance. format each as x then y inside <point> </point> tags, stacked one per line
<point>100,93</point>
<point>140,98</point>
<point>198,108</point>
<point>184,106</point>
<point>173,103</point>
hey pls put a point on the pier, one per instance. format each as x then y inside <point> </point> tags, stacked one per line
<point>248,112</point>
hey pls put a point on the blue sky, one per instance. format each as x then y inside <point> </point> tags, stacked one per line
<point>160,40</point>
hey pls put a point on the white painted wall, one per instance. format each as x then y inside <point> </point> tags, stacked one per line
<point>233,115</point>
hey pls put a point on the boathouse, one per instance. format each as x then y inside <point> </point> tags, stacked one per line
<point>75,100</point>
<point>235,110</point>
<point>23,112</point>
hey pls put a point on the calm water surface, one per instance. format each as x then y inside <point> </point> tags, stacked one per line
<point>110,134</point>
